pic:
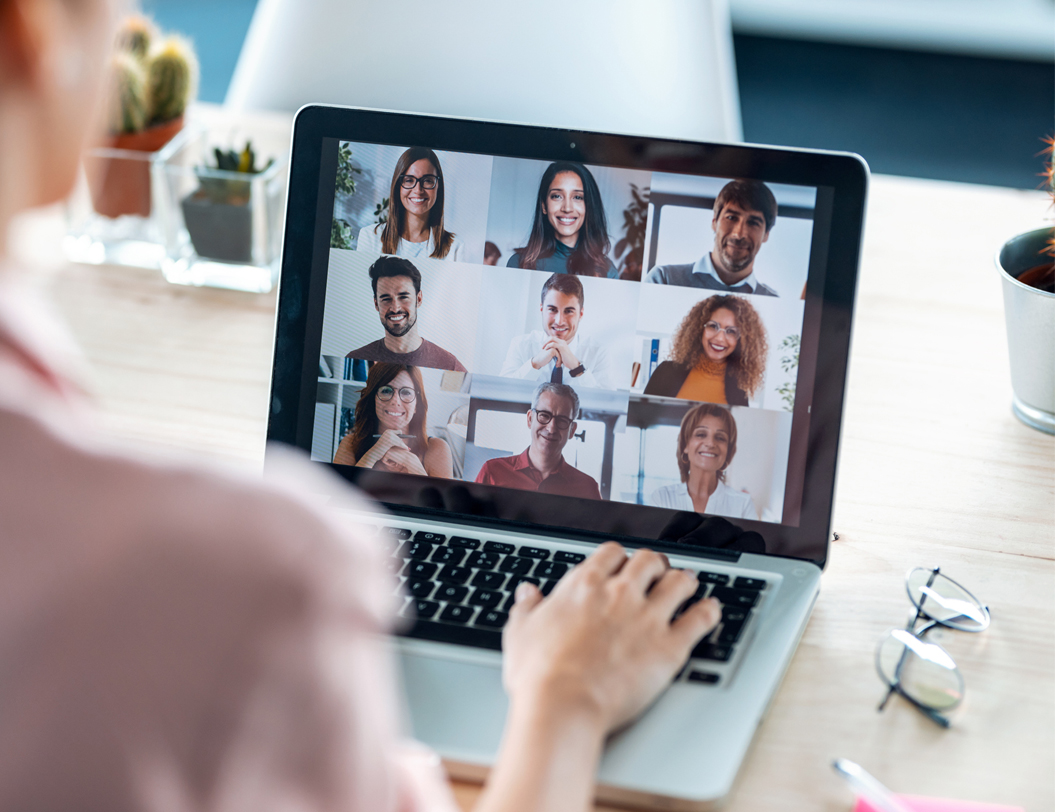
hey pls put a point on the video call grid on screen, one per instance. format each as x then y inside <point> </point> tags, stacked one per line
<point>483,317</point>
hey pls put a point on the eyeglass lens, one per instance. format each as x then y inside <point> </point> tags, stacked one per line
<point>545,417</point>
<point>715,327</point>
<point>426,181</point>
<point>942,599</point>
<point>406,394</point>
<point>921,670</point>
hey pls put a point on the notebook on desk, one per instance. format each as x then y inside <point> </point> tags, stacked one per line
<point>523,341</point>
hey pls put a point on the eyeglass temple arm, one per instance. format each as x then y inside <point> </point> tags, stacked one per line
<point>931,714</point>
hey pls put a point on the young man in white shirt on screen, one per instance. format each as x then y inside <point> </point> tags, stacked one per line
<point>557,353</point>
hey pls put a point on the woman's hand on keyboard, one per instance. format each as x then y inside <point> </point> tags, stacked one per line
<point>603,644</point>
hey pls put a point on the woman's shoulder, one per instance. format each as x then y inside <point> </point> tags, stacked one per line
<point>741,502</point>
<point>669,375</point>
<point>369,236</point>
<point>669,496</point>
<point>438,458</point>
<point>513,261</point>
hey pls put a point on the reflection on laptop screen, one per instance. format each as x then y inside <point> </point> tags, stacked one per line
<point>581,331</point>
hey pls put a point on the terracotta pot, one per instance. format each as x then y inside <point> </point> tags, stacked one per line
<point>122,185</point>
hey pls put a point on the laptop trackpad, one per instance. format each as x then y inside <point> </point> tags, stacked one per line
<point>457,704</point>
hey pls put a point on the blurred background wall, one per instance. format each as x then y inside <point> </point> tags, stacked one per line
<point>951,89</point>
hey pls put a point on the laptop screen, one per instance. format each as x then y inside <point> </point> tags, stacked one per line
<point>584,345</point>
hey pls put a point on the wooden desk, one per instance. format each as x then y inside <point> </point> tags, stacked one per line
<point>934,470</point>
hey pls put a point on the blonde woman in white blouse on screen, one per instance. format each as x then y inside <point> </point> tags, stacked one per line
<point>706,446</point>
<point>182,638</point>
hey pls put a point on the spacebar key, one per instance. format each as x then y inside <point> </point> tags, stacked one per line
<point>449,633</point>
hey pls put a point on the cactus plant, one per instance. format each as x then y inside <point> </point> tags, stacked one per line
<point>172,74</point>
<point>128,105</point>
<point>136,35</point>
<point>153,81</point>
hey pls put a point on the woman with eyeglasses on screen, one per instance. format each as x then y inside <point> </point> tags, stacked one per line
<point>389,429</point>
<point>570,231</point>
<point>414,227</point>
<point>718,354</point>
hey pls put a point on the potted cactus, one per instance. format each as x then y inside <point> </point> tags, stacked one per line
<point>153,80</point>
<point>219,214</point>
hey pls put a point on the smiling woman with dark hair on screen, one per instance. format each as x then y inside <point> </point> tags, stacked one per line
<point>415,212</point>
<point>706,446</point>
<point>389,429</point>
<point>570,231</point>
<point>717,354</point>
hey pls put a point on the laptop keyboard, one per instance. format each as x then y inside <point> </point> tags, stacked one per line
<point>461,589</point>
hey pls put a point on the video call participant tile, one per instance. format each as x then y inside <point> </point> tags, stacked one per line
<point>394,310</point>
<point>542,436</point>
<point>560,328</point>
<point>733,236</point>
<point>704,458</point>
<point>702,345</point>
<point>411,202</point>
<point>566,217</point>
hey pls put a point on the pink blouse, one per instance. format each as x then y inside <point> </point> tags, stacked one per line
<point>176,638</point>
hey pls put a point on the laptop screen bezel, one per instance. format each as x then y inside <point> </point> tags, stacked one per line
<point>305,254</point>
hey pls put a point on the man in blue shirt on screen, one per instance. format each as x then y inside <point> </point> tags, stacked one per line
<point>744,214</point>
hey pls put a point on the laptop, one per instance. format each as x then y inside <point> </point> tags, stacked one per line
<point>524,341</point>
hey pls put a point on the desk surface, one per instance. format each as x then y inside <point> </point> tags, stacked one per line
<point>934,470</point>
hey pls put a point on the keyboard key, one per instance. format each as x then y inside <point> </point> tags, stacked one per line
<point>550,569</point>
<point>696,597</point>
<point>448,555</point>
<point>449,633</point>
<point>419,550</point>
<point>493,618</point>
<point>749,583</point>
<point>534,552</point>
<point>452,593</point>
<point>708,651</point>
<point>705,677</point>
<point>420,569</point>
<point>455,613</point>
<point>462,541</point>
<point>733,614</point>
<point>489,580</point>
<point>740,598</point>
<point>454,575</point>
<point>568,558</point>
<point>485,597</point>
<point>547,587</point>
<point>425,609</point>
<point>429,538</point>
<point>396,532</point>
<point>516,565</point>
<point>730,632</point>
<point>507,604</point>
<point>482,561</point>
<point>514,582</point>
<point>419,588</point>
<point>712,578</point>
<point>499,547</point>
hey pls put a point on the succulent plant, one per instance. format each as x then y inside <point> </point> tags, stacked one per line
<point>172,75</point>
<point>232,190</point>
<point>128,105</point>
<point>136,35</point>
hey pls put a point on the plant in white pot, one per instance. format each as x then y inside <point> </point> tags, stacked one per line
<point>1027,272</point>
